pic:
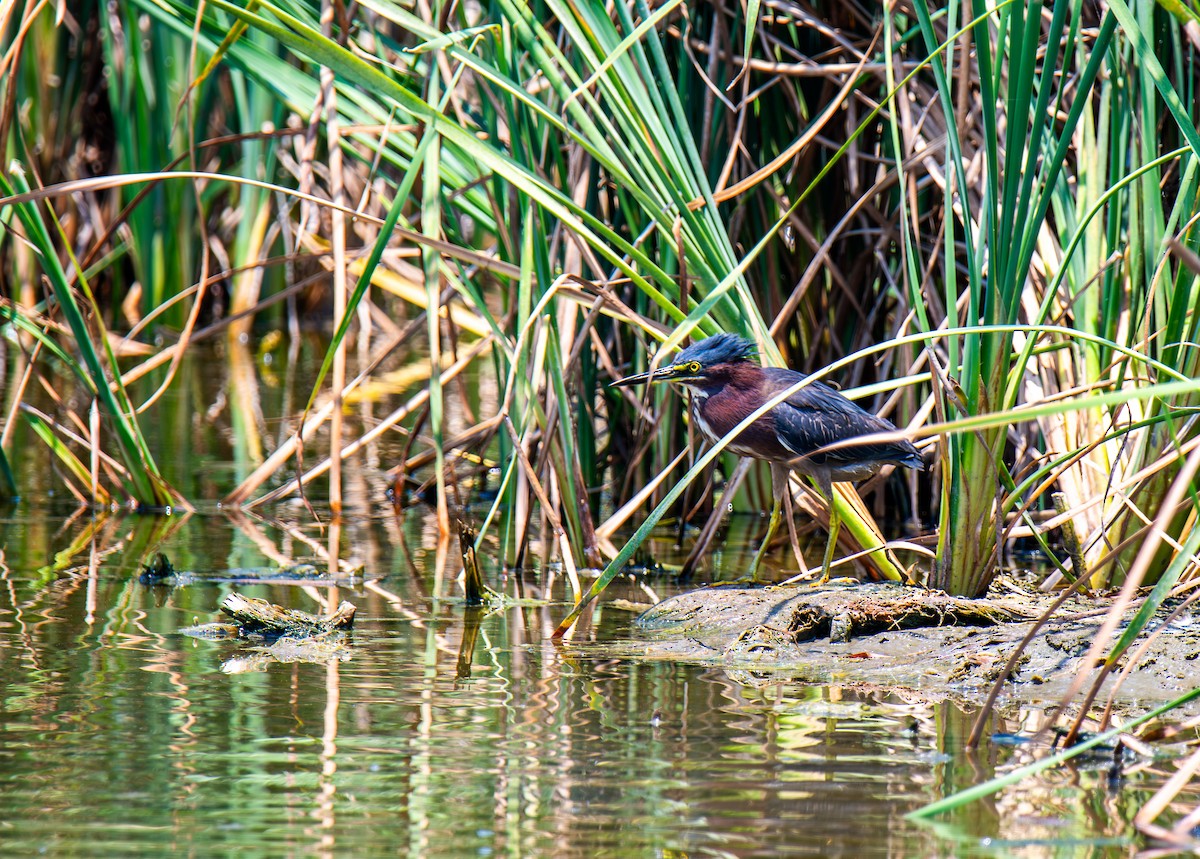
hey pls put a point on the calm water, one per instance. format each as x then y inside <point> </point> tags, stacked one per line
<point>119,736</point>
<point>436,732</point>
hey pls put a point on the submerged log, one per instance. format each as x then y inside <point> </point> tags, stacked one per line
<point>278,634</point>
<point>259,616</point>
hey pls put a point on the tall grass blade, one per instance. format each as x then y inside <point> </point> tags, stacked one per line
<point>145,485</point>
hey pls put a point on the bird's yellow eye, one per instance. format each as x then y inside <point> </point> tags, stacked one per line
<point>694,367</point>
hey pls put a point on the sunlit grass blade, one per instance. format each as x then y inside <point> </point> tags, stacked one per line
<point>74,466</point>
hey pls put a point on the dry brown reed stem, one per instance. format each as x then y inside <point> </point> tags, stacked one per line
<point>18,394</point>
<point>548,509</point>
<point>115,224</point>
<point>63,405</point>
<point>789,154</point>
<point>46,323</point>
<point>1133,580</point>
<point>284,451</point>
<point>788,310</point>
<point>291,445</point>
<point>399,473</point>
<point>621,516</point>
<point>452,448</point>
<point>1136,657</point>
<point>611,305</point>
<point>709,531</point>
<point>1163,797</point>
<point>1051,519</point>
<point>476,437</point>
<point>179,348</point>
<point>803,68</point>
<point>206,282</point>
<point>166,354</point>
<point>94,447</point>
<point>1161,464</point>
<point>407,289</point>
<point>736,144</point>
<point>71,435</point>
<point>338,241</point>
<point>1075,587</point>
<point>839,278</point>
<point>1022,514</point>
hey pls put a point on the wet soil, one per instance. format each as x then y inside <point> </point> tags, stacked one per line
<point>892,636</point>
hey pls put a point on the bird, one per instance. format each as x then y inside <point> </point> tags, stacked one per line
<point>807,432</point>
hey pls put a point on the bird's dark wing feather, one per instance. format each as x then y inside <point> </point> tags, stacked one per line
<point>817,415</point>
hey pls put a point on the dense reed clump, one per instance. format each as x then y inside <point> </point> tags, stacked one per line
<point>979,220</point>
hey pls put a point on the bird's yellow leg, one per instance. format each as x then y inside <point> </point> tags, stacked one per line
<point>835,523</point>
<point>772,527</point>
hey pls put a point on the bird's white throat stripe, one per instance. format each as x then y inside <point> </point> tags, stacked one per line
<point>703,424</point>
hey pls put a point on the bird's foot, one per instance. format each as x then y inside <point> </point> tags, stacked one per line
<point>839,581</point>
<point>807,578</point>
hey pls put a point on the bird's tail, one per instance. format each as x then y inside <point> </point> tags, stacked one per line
<point>912,459</point>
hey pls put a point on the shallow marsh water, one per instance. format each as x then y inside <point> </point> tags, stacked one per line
<point>120,736</point>
<point>439,732</point>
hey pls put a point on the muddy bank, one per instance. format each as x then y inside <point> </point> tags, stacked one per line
<point>886,635</point>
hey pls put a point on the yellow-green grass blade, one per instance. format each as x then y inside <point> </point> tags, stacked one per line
<point>67,457</point>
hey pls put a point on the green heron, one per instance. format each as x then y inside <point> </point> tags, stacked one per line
<point>803,433</point>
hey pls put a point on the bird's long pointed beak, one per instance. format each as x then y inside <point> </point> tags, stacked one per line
<point>662,374</point>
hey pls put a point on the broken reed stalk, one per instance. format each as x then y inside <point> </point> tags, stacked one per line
<point>472,577</point>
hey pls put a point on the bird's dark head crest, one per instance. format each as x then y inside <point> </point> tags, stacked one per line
<point>719,349</point>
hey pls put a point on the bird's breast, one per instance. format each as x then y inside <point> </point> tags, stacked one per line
<point>717,415</point>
